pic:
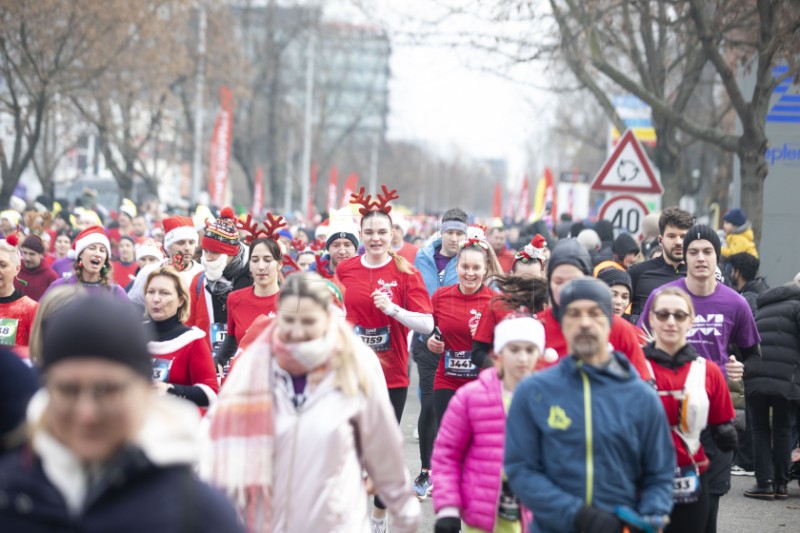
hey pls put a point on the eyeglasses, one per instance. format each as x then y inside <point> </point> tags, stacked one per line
<point>663,316</point>
<point>106,395</point>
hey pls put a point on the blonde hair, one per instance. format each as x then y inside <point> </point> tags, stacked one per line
<point>11,251</point>
<point>180,287</point>
<point>52,301</point>
<point>350,374</point>
<point>673,291</point>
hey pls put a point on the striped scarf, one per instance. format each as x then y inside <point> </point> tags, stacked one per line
<point>240,444</point>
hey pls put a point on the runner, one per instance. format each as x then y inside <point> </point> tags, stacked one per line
<point>17,311</point>
<point>620,284</point>
<point>695,396</point>
<point>182,364</point>
<point>180,244</point>
<point>92,266</point>
<point>125,267</point>
<point>468,457</point>
<point>104,452</point>
<point>385,297</point>
<point>304,409</point>
<point>35,276</point>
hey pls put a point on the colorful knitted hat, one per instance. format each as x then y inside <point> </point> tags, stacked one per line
<point>221,236</point>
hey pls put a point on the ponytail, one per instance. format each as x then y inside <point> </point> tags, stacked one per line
<point>402,264</point>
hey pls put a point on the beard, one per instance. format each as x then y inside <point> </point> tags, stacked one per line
<point>585,346</point>
<point>215,268</point>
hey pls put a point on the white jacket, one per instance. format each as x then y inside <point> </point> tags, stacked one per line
<point>321,448</point>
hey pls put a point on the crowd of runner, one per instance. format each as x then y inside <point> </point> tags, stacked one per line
<point>224,372</point>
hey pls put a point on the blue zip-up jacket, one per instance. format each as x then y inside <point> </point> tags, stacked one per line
<point>426,264</point>
<point>561,456</point>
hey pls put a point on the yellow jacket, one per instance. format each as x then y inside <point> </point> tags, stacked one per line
<point>741,241</point>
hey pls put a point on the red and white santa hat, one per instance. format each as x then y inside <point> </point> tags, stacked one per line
<point>89,236</point>
<point>147,248</point>
<point>178,229</point>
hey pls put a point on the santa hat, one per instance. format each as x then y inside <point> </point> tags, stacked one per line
<point>178,229</point>
<point>221,236</point>
<point>89,236</point>
<point>149,248</point>
<point>322,230</point>
<point>516,328</point>
<point>533,251</point>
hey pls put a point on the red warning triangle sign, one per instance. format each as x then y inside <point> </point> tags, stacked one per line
<point>627,169</point>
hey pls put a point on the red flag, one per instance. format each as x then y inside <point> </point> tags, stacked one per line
<point>313,189</point>
<point>221,148</point>
<point>550,195</point>
<point>333,184</point>
<point>497,209</point>
<point>524,206</point>
<point>258,193</point>
<point>349,188</point>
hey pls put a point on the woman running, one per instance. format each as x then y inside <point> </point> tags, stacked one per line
<point>304,409</point>
<point>695,396</point>
<point>17,311</point>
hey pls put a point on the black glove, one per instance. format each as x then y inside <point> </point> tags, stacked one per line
<point>596,520</point>
<point>449,524</point>
<point>725,437</point>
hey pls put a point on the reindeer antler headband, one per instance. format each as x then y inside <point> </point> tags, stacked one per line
<point>271,227</point>
<point>367,205</point>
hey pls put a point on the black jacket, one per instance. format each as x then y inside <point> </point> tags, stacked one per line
<point>778,323</point>
<point>647,277</point>
<point>752,290</point>
<point>134,497</point>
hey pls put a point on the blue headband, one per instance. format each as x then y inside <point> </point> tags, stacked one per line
<point>454,224</point>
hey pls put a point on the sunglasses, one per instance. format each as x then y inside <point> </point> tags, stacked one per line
<point>663,316</point>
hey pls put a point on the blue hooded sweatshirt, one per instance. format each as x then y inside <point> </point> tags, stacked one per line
<point>580,435</point>
<point>426,265</point>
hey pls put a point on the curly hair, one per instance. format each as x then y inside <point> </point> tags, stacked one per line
<point>522,292</point>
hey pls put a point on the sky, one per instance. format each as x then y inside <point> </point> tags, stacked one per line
<point>439,98</point>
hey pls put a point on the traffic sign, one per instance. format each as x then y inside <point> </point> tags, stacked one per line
<point>627,169</point>
<point>625,212</point>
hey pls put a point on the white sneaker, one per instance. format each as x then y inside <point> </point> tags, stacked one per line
<point>737,470</point>
<point>379,525</point>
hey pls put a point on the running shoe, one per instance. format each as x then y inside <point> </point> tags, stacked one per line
<point>379,525</point>
<point>737,470</point>
<point>422,485</point>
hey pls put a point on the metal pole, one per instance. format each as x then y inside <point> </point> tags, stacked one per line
<point>287,190</point>
<point>305,170</point>
<point>200,82</point>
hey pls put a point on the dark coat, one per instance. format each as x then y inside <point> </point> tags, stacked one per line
<point>778,323</point>
<point>134,497</point>
<point>752,290</point>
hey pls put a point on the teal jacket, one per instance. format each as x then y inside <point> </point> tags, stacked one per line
<point>579,435</point>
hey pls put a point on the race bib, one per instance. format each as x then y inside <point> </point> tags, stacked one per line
<point>217,332</point>
<point>685,485</point>
<point>459,364</point>
<point>8,331</point>
<point>161,369</point>
<point>375,338</point>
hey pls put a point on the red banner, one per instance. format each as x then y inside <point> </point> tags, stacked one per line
<point>219,157</point>
<point>333,184</point>
<point>313,189</point>
<point>349,188</point>
<point>524,206</point>
<point>497,208</point>
<point>258,193</point>
<point>550,195</point>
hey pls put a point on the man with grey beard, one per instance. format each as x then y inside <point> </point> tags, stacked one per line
<point>226,270</point>
<point>588,446</point>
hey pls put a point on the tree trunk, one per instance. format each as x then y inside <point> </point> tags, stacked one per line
<point>668,162</point>
<point>10,180</point>
<point>753,172</point>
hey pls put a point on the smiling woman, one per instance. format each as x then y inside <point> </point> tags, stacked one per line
<point>17,311</point>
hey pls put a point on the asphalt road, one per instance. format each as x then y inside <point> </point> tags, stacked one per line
<point>737,514</point>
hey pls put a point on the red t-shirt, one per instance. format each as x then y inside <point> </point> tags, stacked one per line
<point>184,360</point>
<point>453,312</point>
<point>624,337</point>
<point>244,307</point>
<point>123,274</point>
<point>17,317</point>
<point>491,315</point>
<point>720,408</point>
<point>385,335</point>
<point>506,259</point>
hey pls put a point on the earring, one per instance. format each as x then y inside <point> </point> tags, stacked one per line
<point>80,263</point>
<point>104,270</point>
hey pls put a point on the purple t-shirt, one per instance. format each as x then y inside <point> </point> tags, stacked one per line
<point>721,318</point>
<point>441,263</point>
<point>113,289</point>
<point>63,267</point>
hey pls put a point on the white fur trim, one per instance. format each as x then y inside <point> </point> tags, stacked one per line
<point>178,234</point>
<point>210,394</point>
<point>148,251</point>
<point>172,345</point>
<point>92,238</point>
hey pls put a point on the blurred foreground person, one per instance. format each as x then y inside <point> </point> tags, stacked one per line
<point>302,412</point>
<point>105,453</point>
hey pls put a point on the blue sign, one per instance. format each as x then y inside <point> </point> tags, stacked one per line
<point>787,108</point>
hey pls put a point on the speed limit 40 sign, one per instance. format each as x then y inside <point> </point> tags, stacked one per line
<point>625,212</point>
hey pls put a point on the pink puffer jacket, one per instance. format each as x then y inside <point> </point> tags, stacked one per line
<point>467,459</point>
